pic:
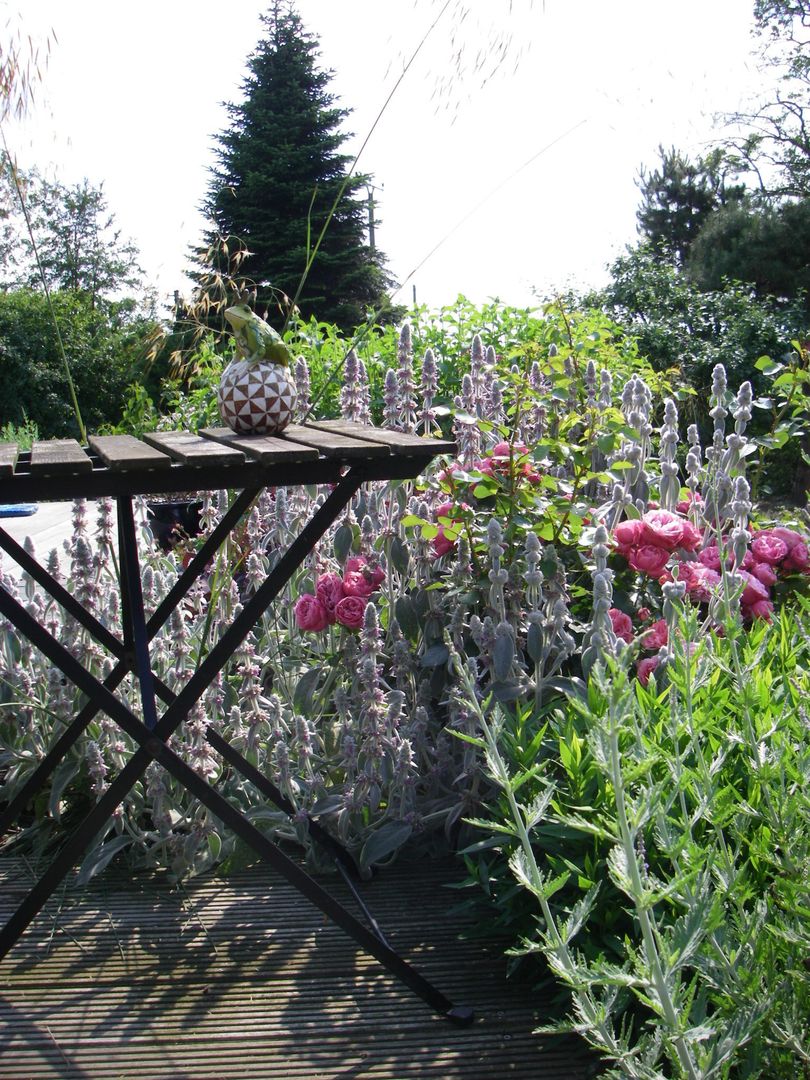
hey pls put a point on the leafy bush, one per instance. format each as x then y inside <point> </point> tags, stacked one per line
<point>103,349</point>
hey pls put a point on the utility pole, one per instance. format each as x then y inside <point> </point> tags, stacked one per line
<point>370,189</point>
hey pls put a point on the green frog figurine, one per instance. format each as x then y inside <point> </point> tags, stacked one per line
<point>256,394</point>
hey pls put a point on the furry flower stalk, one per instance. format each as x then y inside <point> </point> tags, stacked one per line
<point>428,389</point>
<point>600,639</point>
<point>406,387</point>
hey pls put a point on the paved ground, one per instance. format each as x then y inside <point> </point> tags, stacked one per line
<point>49,528</point>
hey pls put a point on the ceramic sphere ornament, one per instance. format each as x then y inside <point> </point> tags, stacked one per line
<point>256,393</point>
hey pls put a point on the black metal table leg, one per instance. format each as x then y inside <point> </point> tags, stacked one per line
<point>179,590</point>
<point>152,746</point>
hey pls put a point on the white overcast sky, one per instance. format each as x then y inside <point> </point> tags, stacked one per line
<point>522,173</point>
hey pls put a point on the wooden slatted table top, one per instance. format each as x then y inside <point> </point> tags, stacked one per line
<point>184,461</point>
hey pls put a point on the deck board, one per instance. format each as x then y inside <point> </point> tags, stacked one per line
<point>240,979</point>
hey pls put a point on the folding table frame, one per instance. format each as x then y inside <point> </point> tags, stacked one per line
<point>338,453</point>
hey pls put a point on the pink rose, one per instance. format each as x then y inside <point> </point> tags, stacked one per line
<point>662,529</point>
<point>753,591</point>
<point>645,668</point>
<point>359,563</point>
<point>790,536</point>
<point>769,549</point>
<point>685,505</point>
<point>350,612</point>
<point>622,625</point>
<point>627,534</point>
<point>798,558</point>
<point>762,609</point>
<point>700,580</point>
<point>441,543</point>
<point>355,583</point>
<point>691,538</point>
<point>310,614</point>
<point>648,559</point>
<point>643,614</point>
<point>710,556</point>
<point>764,572</point>
<point>329,590</point>
<point>656,636</point>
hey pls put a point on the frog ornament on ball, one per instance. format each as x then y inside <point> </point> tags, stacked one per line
<point>256,394</point>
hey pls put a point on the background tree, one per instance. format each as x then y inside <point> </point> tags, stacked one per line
<point>678,197</point>
<point>279,176</point>
<point>80,247</point>
<point>765,245</point>
<point>104,348</point>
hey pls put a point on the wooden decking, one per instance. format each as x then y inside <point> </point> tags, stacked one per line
<point>241,978</point>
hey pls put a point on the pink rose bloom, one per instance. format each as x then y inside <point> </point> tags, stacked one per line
<point>643,614</point>
<point>656,636</point>
<point>691,538</point>
<point>798,558</point>
<point>350,612</point>
<point>754,590</point>
<point>764,572</point>
<point>790,536</point>
<point>662,529</point>
<point>622,625</point>
<point>700,580</point>
<point>360,564</point>
<point>769,549</point>
<point>685,505</point>
<point>310,614</point>
<point>329,590</point>
<point>355,583</point>
<point>645,668</point>
<point>648,559</point>
<point>710,556</point>
<point>441,543</point>
<point>627,534</point>
<point>762,609</point>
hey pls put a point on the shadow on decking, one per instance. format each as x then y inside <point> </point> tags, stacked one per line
<point>242,977</point>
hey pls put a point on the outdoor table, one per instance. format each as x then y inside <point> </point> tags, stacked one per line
<point>337,453</point>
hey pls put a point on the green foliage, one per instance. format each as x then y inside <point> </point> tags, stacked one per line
<point>22,434</point>
<point>679,197</point>
<point>103,350</point>
<point>278,180</point>
<point>765,246</point>
<point>676,325</point>
<point>665,837</point>
<point>78,246</point>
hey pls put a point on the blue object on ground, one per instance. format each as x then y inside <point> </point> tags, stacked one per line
<point>18,509</point>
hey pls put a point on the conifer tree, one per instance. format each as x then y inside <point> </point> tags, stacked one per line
<point>279,175</point>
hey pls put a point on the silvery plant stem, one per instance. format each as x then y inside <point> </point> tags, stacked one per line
<point>618,706</point>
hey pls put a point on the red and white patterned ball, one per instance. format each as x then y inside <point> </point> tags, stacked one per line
<point>256,398</point>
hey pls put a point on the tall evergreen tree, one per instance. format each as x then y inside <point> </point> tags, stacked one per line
<point>279,175</point>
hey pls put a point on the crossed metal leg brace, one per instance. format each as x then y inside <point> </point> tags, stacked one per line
<point>152,736</point>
